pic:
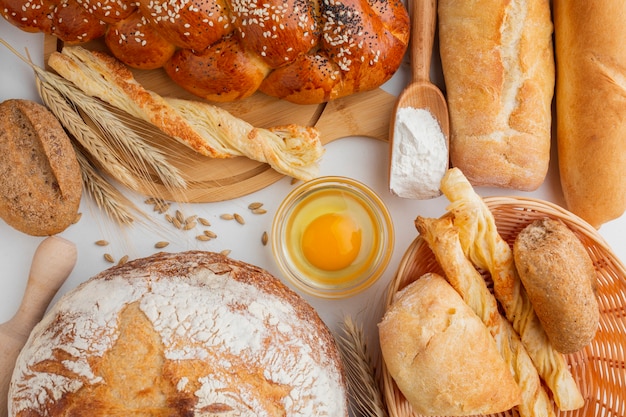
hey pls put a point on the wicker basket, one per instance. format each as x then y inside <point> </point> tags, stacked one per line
<point>600,368</point>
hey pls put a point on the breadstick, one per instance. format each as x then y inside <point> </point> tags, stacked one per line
<point>443,239</point>
<point>484,246</point>
<point>209,130</point>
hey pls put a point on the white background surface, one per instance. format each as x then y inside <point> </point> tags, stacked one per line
<point>361,158</point>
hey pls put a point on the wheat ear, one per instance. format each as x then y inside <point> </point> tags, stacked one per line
<point>364,391</point>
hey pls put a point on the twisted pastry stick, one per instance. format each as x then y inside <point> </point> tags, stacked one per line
<point>483,245</point>
<point>209,130</point>
<point>443,239</point>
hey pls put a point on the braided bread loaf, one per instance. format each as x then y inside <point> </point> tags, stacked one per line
<point>304,51</point>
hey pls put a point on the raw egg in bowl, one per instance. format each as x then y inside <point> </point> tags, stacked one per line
<point>332,237</point>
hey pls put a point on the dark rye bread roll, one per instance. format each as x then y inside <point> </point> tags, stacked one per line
<point>304,51</point>
<point>180,334</point>
<point>560,280</point>
<point>41,184</point>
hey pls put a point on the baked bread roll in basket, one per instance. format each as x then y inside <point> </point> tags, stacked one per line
<point>304,51</point>
<point>597,369</point>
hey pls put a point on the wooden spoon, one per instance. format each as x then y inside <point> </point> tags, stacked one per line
<point>52,263</point>
<point>421,93</point>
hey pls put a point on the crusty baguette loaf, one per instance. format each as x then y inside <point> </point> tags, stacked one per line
<point>560,280</point>
<point>41,183</point>
<point>498,66</point>
<point>180,334</point>
<point>292,150</point>
<point>591,106</point>
<point>443,239</point>
<point>441,355</point>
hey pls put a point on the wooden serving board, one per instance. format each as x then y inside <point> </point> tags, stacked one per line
<point>365,114</point>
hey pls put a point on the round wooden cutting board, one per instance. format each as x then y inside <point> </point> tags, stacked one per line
<point>365,114</point>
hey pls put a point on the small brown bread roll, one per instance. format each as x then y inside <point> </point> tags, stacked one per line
<point>441,355</point>
<point>560,280</point>
<point>41,182</point>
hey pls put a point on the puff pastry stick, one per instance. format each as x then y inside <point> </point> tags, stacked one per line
<point>443,239</point>
<point>486,249</point>
<point>209,130</point>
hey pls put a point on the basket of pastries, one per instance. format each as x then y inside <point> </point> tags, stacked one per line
<point>505,306</point>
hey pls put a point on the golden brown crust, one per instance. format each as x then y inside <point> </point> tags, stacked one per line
<point>441,355</point>
<point>590,107</point>
<point>560,280</point>
<point>225,63</point>
<point>192,333</point>
<point>123,37</point>
<point>192,24</point>
<point>364,40</point>
<point>498,65</point>
<point>41,182</point>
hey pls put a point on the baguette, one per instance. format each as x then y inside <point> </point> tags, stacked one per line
<point>591,107</point>
<point>498,65</point>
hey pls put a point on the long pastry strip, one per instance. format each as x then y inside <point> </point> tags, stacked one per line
<point>209,130</point>
<point>443,239</point>
<point>484,246</point>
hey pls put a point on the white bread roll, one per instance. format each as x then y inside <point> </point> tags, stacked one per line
<point>498,66</point>
<point>194,334</point>
<point>441,355</point>
<point>590,46</point>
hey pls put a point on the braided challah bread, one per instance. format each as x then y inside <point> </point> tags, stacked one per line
<point>304,51</point>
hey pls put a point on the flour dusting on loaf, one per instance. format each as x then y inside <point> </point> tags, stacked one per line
<point>184,334</point>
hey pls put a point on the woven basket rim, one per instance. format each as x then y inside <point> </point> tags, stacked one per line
<point>396,404</point>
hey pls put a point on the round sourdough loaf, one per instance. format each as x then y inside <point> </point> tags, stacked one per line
<point>188,334</point>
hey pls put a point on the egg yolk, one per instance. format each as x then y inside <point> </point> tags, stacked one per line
<point>331,242</point>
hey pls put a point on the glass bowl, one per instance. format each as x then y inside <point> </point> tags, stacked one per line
<point>332,237</point>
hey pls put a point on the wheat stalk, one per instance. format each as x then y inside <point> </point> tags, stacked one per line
<point>75,125</point>
<point>364,391</point>
<point>115,146</point>
<point>108,198</point>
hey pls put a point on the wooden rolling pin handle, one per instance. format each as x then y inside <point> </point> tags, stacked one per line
<point>52,263</point>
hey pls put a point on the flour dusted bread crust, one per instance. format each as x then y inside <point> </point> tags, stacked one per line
<point>193,333</point>
<point>41,184</point>
<point>304,51</point>
<point>591,107</point>
<point>441,355</point>
<point>498,65</point>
